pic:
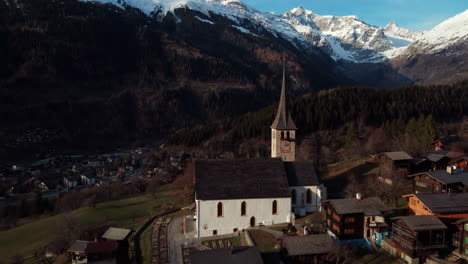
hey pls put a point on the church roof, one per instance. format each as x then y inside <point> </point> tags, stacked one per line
<point>301,173</point>
<point>283,120</point>
<point>240,179</point>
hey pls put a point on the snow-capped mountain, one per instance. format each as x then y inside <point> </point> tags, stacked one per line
<point>393,30</point>
<point>344,37</point>
<point>451,32</point>
<point>244,18</point>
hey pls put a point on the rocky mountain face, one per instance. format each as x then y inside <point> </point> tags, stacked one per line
<point>439,55</point>
<point>90,72</point>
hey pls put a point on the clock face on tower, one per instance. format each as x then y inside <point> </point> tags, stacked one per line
<point>285,146</point>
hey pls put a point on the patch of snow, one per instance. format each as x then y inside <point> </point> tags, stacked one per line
<point>244,30</point>
<point>204,20</point>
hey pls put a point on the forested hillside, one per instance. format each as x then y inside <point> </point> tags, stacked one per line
<point>412,109</point>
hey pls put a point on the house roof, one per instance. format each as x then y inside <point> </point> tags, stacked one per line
<point>462,221</point>
<point>444,202</point>
<point>397,155</point>
<point>301,173</point>
<point>78,246</point>
<point>444,177</point>
<point>436,156</point>
<point>114,233</point>
<point>240,179</point>
<point>368,206</point>
<point>422,222</point>
<point>244,255</point>
<point>283,120</point>
<point>308,245</point>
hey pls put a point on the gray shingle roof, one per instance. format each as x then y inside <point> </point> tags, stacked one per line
<point>308,245</point>
<point>368,206</point>
<point>301,173</point>
<point>78,246</point>
<point>398,155</point>
<point>245,255</point>
<point>446,178</point>
<point>445,203</point>
<point>422,222</point>
<point>240,179</point>
<point>114,233</point>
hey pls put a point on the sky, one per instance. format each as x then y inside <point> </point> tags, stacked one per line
<point>412,14</point>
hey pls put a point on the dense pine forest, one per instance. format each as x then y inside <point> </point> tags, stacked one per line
<point>415,110</point>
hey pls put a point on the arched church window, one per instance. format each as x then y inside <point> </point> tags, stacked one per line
<point>287,135</point>
<point>293,196</point>
<point>309,196</point>
<point>243,208</point>
<point>282,135</point>
<point>220,209</point>
<point>275,207</point>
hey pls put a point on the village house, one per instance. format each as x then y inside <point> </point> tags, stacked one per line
<point>70,182</point>
<point>439,160</point>
<point>356,219</point>
<point>460,163</point>
<point>439,181</point>
<point>449,207</point>
<point>233,194</point>
<point>90,252</point>
<point>414,238</point>
<point>394,165</point>
<point>307,249</point>
<point>460,238</point>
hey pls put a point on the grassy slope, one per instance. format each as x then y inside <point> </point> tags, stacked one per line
<point>146,244</point>
<point>128,212</point>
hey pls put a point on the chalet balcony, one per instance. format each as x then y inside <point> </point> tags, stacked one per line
<point>411,241</point>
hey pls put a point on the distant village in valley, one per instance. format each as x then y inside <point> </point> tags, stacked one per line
<point>159,205</point>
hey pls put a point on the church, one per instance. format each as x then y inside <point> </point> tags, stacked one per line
<point>233,194</point>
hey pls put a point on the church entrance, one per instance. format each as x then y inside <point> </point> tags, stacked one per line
<point>252,221</point>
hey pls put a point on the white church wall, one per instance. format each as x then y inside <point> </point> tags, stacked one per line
<point>318,194</point>
<point>261,209</point>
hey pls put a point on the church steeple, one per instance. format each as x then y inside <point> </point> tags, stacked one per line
<point>283,129</point>
<point>283,120</point>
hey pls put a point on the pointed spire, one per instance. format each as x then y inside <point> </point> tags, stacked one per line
<point>283,120</point>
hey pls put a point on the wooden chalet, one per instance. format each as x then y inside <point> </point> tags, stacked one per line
<point>460,238</point>
<point>438,159</point>
<point>449,207</point>
<point>439,181</point>
<point>461,163</point>
<point>89,251</point>
<point>414,238</point>
<point>308,248</point>
<point>394,164</point>
<point>349,219</point>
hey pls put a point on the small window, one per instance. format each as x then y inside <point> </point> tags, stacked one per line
<point>293,196</point>
<point>309,196</point>
<point>350,220</point>
<point>220,209</point>
<point>243,208</point>
<point>275,207</point>
<point>282,135</point>
<point>349,231</point>
<point>215,232</point>
<point>234,230</point>
<point>287,135</point>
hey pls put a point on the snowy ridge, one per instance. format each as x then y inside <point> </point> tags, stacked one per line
<point>235,10</point>
<point>342,37</point>
<point>452,31</point>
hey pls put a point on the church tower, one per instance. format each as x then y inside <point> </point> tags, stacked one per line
<point>283,129</point>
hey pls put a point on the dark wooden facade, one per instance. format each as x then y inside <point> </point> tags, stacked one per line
<point>460,238</point>
<point>344,226</point>
<point>416,244</point>
<point>425,184</point>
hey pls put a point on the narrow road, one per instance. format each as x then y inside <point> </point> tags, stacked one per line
<point>175,238</point>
